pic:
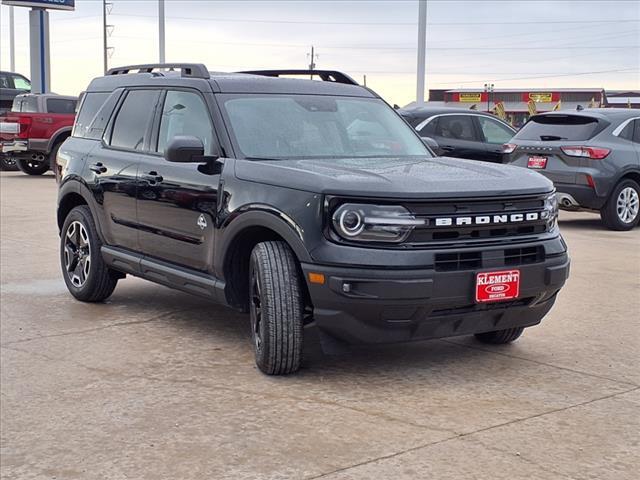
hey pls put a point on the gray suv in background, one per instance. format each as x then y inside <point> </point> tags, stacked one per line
<point>592,156</point>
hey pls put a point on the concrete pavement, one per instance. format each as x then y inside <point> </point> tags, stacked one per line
<point>156,384</point>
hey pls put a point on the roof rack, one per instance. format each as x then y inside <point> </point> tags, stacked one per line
<point>325,75</point>
<point>191,70</point>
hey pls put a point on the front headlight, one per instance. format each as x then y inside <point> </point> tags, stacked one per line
<point>550,212</point>
<point>374,223</point>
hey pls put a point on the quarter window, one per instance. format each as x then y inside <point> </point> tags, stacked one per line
<point>132,121</point>
<point>185,113</point>
<point>494,132</point>
<point>627,131</point>
<point>636,134</point>
<point>90,105</point>
<point>457,127</point>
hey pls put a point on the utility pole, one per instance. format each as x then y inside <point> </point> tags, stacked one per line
<point>12,41</point>
<point>488,88</point>
<point>161,43</point>
<point>422,50</point>
<point>312,60</point>
<point>365,80</point>
<point>104,35</point>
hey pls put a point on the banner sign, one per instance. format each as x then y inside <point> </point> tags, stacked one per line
<point>49,4</point>
<point>470,97</point>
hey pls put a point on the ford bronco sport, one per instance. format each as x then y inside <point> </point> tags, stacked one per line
<point>305,203</point>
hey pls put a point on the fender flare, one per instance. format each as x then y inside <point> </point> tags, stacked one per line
<point>260,216</point>
<point>55,137</point>
<point>76,187</point>
<point>624,171</point>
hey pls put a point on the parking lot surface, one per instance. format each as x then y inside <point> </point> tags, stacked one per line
<point>156,384</point>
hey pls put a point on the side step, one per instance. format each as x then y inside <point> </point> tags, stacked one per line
<point>165,273</point>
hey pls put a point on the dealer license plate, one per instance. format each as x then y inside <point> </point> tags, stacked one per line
<point>497,286</point>
<point>537,162</point>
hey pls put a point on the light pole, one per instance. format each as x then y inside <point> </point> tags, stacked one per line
<point>488,88</point>
<point>422,50</point>
<point>161,43</point>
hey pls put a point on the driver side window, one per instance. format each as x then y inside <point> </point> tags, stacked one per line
<point>185,113</point>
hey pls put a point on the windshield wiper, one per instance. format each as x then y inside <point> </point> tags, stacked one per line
<point>550,138</point>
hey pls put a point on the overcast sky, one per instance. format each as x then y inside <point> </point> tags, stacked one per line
<point>510,43</point>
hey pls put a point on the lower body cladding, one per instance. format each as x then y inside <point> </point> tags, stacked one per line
<point>360,305</point>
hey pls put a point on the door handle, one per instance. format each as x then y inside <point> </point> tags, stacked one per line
<point>447,148</point>
<point>152,177</point>
<point>98,168</point>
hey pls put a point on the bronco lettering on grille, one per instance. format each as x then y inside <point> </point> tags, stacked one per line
<point>487,219</point>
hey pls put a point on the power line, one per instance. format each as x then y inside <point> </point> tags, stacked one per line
<point>321,22</point>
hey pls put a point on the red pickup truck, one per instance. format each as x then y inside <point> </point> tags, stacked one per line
<point>34,129</point>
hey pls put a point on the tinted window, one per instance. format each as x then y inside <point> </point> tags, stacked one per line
<point>61,105</point>
<point>627,132</point>
<point>314,126</point>
<point>21,83</point>
<point>428,129</point>
<point>4,81</point>
<point>91,103</point>
<point>636,134</point>
<point>132,121</point>
<point>29,104</point>
<point>457,127</point>
<point>559,127</point>
<point>494,131</point>
<point>185,113</point>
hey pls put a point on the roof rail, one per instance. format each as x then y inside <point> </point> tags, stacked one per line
<point>325,75</point>
<point>192,70</point>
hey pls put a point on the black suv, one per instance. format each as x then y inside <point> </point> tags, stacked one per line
<point>305,203</point>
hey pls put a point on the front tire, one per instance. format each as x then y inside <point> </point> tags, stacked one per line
<point>276,308</point>
<point>31,167</point>
<point>622,210</point>
<point>86,275</point>
<point>500,337</point>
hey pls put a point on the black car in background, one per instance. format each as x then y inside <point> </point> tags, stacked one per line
<point>592,156</point>
<point>11,84</point>
<point>461,133</point>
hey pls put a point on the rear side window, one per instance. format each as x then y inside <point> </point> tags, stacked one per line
<point>61,105</point>
<point>494,132</point>
<point>636,134</point>
<point>559,127</point>
<point>132,121</point>
<point>29,104</point>
<point>91,103</point>
<point>457,127</point>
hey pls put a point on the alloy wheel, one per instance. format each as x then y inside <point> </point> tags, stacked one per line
<point>628,205</point>
<point>256,311</point>
<point>77,254</point>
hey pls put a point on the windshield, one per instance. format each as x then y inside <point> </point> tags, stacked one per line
<point>314,126</point>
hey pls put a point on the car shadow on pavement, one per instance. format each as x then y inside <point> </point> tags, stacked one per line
<point>589,222</point>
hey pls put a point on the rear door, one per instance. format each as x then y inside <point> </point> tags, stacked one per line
<point>113,165</point>
<point>458,136</point>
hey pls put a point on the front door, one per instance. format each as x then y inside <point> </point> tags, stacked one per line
<point>177,202</point>
<point>495,134</point>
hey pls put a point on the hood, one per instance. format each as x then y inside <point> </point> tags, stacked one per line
<point>439,177</point>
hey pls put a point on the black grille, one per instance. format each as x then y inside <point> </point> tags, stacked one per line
<point>511,257</point>
<point>450,262</point>
<point>523,256</point>
<point>431,233</point>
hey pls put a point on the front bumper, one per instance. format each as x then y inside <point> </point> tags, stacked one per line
<point>386,306</point>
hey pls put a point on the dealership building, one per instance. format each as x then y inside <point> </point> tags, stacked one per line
<point>516,101</point>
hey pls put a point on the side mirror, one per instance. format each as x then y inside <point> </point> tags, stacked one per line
<point>432,144</point>
<point>187,149</point>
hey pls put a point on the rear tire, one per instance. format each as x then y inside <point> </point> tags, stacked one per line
<point>622,210</point>
<point>500,337</point>
<point>276,308</point>
<point>31,167</point>
<point>8,164</point>
<point>84,271</point>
